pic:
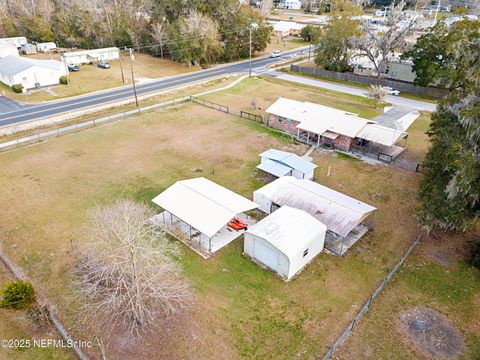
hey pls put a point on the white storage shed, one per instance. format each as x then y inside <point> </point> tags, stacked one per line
<point>282,163</point>
<point>285,241</point>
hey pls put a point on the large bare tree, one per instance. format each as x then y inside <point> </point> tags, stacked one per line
<point>380,44</point>
<point>127,274</point>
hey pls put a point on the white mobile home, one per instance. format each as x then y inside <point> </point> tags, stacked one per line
<point>28,49</point>
<point>46,47</point>
<point>30,73</point>
<point>6,50</point>
<point>91,56</point>
<point>285,241</point>
<point>15,41</point>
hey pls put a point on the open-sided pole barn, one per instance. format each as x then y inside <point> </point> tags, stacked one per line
<point>197,212</point>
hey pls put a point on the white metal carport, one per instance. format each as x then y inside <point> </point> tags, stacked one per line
<point>197,212</point>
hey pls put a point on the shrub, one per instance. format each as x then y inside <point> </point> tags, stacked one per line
<point>64,80</point>
<point>474,254</point>
<point>39,315</point>
<point>18,88</point>
<point>17,294</point>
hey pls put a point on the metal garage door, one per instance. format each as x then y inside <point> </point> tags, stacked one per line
<point>266,255</point>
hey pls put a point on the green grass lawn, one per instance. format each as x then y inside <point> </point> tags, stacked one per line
<point>435,276</point>
<point>241,310</point>
<point>241,97</point>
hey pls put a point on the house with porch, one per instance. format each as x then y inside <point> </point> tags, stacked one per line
<point>332,128</point>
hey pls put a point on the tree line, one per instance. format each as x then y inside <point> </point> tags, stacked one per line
<point>191,31</point>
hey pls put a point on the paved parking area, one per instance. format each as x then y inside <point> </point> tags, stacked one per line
<point>7,105</point>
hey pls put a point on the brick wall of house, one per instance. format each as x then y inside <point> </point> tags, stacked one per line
<point>342,142</point>
<point>287,126</point>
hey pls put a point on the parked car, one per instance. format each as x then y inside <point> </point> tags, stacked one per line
<point>391,91</point>
<point>276,53</point>
<point>72,67</point>
<point>103,65</point>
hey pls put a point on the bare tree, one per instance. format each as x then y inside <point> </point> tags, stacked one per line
<point>266,7</point>
<point>377,93</point>
<point>127,274</point>
<point>159,33</point>
<point>379,45</point>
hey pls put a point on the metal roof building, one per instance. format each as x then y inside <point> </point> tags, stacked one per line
<point>281,163</point>
<point>285,241</point>
<point>30,73</point>
<point>333,128</point>
<point>346,218</point>
<point>203,208</point>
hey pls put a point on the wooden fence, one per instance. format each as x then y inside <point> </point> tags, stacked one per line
<point>250,116</point>
<point>348,76</point>
<point>210,104</point>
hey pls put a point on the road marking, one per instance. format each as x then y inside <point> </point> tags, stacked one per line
<point>190,78</point>
<point>128,91</point>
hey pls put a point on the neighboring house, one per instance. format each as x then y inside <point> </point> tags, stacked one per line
<point>281,163</point>
<point>401,71</point>
<point>198,212</point>
<point>15,41</point>
<point>290,4</point>
<point>331,128</point>
<point>6,50</point>
<point>285,241</point>
<point>286,28</point>
<point>28,49</point>
<point>46,47</point>
<point>91,56</point>
<point>30,73</point>
<point>347,219</point>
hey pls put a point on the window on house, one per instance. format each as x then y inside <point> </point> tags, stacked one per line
<point>305,252</point>
<point>281,119</point>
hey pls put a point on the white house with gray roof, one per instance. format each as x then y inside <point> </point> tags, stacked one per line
<point>30,73</point>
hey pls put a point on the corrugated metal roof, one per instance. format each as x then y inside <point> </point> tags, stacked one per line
<point>289,230</point>
<point>12,65</point>
<point>203,204</point>
<point>381,134</point>
<point>274,168</point>
<point>317,118</point>
<point>339,212</point>
<point>290,159</point>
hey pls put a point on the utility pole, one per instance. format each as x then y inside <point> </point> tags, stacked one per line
<point>121,67</point>
<point>436,11</point>
<point>133,76</point>
<point>250,28</point>
<point>67,71</point>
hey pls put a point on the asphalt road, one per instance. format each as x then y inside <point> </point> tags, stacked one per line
<point>48,109</point>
